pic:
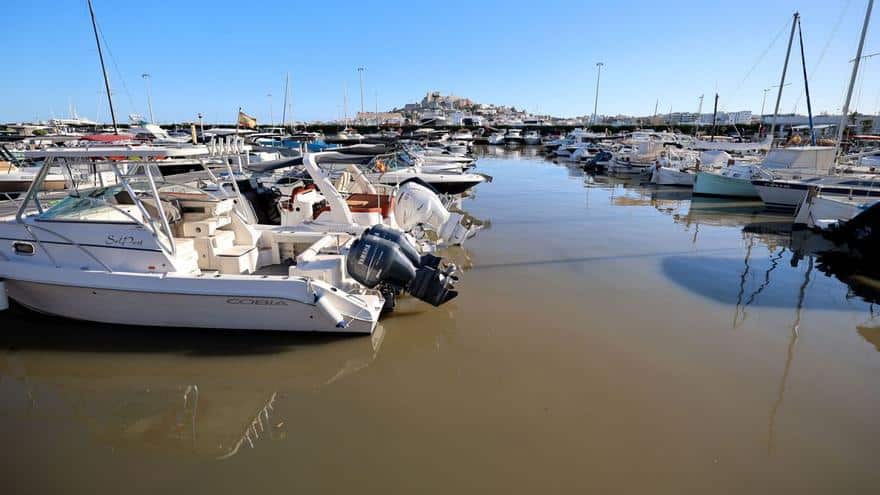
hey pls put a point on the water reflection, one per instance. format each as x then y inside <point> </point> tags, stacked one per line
<point>202,393</point>
<point>871,335</point>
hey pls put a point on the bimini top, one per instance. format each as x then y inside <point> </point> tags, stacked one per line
<point>119,151</point>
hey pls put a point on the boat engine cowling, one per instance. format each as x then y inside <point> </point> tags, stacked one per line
<point>406,246</point>
<point>382,263</point>
<point>417,205</point>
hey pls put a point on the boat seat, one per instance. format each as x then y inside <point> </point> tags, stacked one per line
<point>208,247</point>
<point>171,209</point>
<point>203,227</point>
<point>235,260</point>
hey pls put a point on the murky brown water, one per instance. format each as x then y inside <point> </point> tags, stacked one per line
<point>608,337</point>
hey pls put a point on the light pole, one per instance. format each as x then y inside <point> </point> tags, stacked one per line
<point>149,100</point>
<point>271,116</point>
<point>361,79</point>
<point>596,102</point>
<point>201,126</point>
<point>763,102</point>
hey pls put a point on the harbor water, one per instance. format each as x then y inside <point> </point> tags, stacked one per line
<point>609,336</point>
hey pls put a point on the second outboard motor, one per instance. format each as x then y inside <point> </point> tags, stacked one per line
<point>380,263</point>
<point>417,204</point>
<point>397,237</point>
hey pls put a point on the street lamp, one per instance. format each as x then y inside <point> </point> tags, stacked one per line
<point>361,79</point>
<point>271,116</point>
<point>763,102</point>
<point>149,100</point>
<point>596,103</point>
<point>201,126</point>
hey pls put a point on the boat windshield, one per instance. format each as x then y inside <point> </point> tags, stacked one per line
<point>105,204</point>
<point>115,204</point>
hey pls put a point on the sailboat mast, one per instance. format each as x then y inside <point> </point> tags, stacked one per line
<point>286,92</point>
<point>103,68</point>
<point>715,118</point>
<point>852,80</point>
<point>699,117</point>
<point>782,80</point>
<point>806,84</point>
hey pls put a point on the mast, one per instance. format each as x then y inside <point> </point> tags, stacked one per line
<point>104,69</point>
<point>782,80</point>
<point>345,103</point>
<point>596,101</point>
<point>852,80</point>
<point>286,92</point>
<point>715,118</point>
<point>699,117</point>
<point>806,83</point>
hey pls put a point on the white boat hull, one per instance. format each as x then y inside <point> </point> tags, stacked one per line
<point>225,302</point>
<point>664,176</point>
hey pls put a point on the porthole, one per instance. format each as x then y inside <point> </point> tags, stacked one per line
<point>24,248</point>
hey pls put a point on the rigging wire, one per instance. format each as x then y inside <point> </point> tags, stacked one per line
<point>756,64</point>
<point>821,58</point>
<point>118,72</point>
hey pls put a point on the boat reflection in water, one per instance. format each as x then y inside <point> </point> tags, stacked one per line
<point>188,393</point>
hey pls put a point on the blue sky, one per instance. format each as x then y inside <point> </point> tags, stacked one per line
<point>215,56</point>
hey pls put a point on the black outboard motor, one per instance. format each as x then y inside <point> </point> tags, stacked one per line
<point>397,237</point>
<point>382,263</point>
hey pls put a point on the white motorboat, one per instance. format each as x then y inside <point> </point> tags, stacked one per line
<point>396,169</point>
<point>459,147</point>
<point>532,138</point>
<point>411,208</point>
<point>819,211</point>
<point>513,137</point>
<point>669,176</point>
<point>148,251</point>
<point>16,179</point>
<point>462,135</point>
<point>787,194</point>
<point>497,138</point>
<point>346,135</point>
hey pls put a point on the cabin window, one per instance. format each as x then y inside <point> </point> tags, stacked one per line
<point>24,248</point>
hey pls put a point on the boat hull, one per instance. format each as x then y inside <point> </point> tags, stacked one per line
<point>671,177</point>
<point>227,302</point>
<point>709,184</point>
<point>788,195</point>
<point>779,196</point>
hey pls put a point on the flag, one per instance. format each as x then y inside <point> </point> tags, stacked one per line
<point>246,121</point>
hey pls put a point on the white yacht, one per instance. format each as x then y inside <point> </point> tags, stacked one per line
<point>532,138</point>
<point>15,178</point>
<point>150,251</point>
<point>397,168</point>
<point>514,137</point>
<point>497,138</point>
<point>462,135</point>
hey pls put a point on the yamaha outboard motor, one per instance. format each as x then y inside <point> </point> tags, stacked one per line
<point>382,263</point>
<point>407,247</point>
